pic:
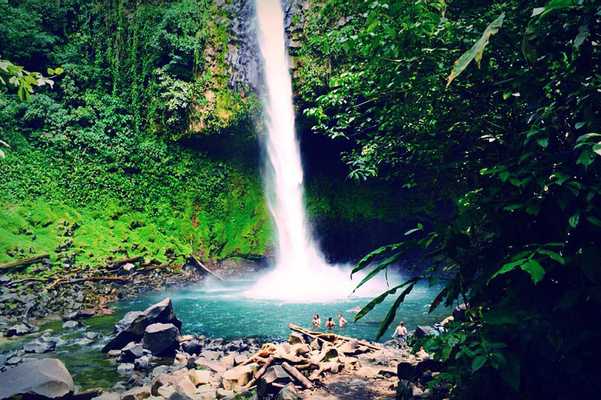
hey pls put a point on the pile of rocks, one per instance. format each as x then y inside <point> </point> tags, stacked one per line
<point>24,297</point>
<point>159,362</point>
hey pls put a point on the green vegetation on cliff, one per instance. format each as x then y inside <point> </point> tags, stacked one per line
<point>102,166</point>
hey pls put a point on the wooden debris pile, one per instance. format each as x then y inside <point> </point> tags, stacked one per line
<point>303,361</point>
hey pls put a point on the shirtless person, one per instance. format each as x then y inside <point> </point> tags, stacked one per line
<point>400,333</point>
<point>316,321</point>
<point>330,324</point>
<point>341,321</point>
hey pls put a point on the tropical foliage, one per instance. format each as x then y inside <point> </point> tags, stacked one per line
<point>487,113</point>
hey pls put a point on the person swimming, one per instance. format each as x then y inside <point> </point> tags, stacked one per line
<point>316,321</point>
<point>330,324</point>
<point>341,321</point>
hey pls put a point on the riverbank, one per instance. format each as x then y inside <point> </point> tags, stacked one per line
<point>29,300</point>
<point>150,358</point>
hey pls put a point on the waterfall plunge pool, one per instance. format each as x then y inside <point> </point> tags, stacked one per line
<point>220,310</point>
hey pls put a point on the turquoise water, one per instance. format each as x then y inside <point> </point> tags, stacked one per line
<point>217,310</point>
<point>221,311</point>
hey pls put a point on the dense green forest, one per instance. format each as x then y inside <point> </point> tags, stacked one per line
<point>487,112</point>
<point>481,118</point>
<point>141,147</point>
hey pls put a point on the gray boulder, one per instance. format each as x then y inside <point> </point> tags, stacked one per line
<point>193,346</point>
<point>161,339</point>
<point>125,369</point>
<point>288,392</point>
<point>272,380</point>
<point>132,326</point>
<point>39,346</point>
<point>142,363</point>
<point>81,314</point>
<point>47,377</point>
<point>71,324</point>
<point>422,331</point>
<point>18,330</point>
<point>130,352</point>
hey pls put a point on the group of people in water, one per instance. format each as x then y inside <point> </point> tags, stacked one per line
<point>400,332</point>
<point>330,324</point>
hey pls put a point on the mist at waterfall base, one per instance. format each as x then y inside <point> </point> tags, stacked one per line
<point>300,273</point>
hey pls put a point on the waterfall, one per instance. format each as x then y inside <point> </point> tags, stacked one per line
<point>301,272</point>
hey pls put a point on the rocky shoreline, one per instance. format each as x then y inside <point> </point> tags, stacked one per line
<point>154,361</point>
<point>27,300</point>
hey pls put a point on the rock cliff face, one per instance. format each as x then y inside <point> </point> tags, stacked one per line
<point>243,52</point>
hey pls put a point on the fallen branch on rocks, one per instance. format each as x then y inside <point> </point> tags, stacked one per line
<point>295,373</point>
<point>259,373</point>
<point>332,337</point>
<point>204,268</point>
<point>19,264</point>
<point>59,282</point>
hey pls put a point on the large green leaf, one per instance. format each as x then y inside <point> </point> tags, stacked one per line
<point>365,261</point>
<point>392,312</point>
<point>477,50</point>
<point>478,362</point>
<point>379,267</point>
<point>531,266</point>
<point>553,5</point>
<point>370,306</point>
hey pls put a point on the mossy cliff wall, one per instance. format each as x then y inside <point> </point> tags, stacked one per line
<point>147,144</point>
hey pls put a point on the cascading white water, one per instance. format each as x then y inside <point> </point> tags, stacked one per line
<point>301,273</point>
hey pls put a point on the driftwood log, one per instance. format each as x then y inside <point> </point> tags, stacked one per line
<point>296,374</point>
<point>259,373</point>
<point>205,269</point>
<point>331,337</point>
<point>19,264</point>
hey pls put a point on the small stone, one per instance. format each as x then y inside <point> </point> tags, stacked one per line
<point>125,369</point>
<point>128,267</point>
<point>225,394</point>
<point>114,353</point>
<point>200,377</point>
<point>295,338</point>
<point>288,392</point>
<point>161,339</point>
<point>137,393</point>
<point>228,361</point>
<point>14,360</point>
<point>91,335</point>
<point>18,330</point>
<point>130,352</point>
<point>192,346</point>
<point>71,325</point>
<point>39,347</point>
<point>142,363</point>
<point>235,378</point>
